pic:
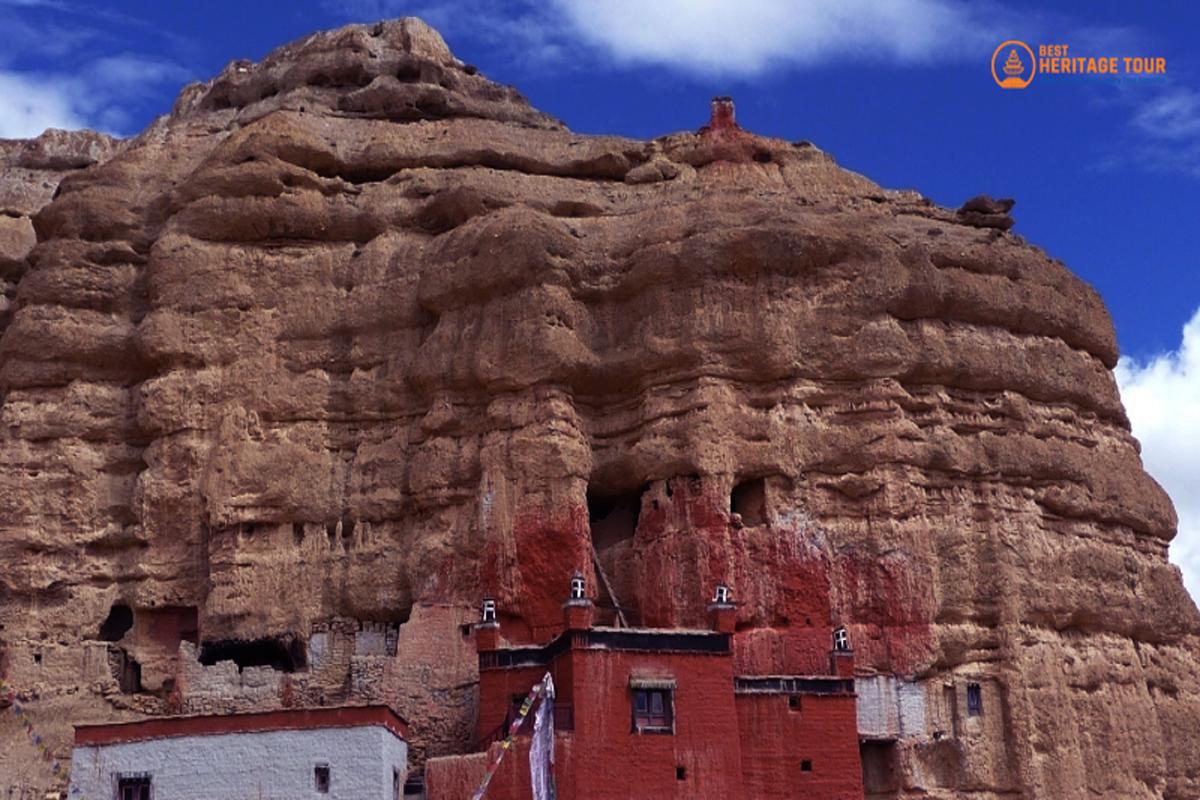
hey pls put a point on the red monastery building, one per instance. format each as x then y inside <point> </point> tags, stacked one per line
<point>651,712</point>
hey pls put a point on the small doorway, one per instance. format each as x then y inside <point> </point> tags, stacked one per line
<point>880,779</point>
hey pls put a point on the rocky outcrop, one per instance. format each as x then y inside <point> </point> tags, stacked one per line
<point>354,336</point>
<point>30,171</point>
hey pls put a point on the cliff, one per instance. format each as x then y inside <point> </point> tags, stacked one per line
<point>354,336</point>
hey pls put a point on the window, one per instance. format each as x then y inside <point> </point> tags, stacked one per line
<point>681,773</point>
<point>652,711</point>
<point>841,640</point>
<point>321,778</point>
<point>806,766</point>
<point>974,700</point>
<point>794,702</point>
<point>133,787</point>
<point>397,786</point>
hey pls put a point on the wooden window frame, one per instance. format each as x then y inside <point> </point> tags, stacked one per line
<point>648,720</point>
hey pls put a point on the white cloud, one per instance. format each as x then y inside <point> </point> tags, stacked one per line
<point>1174,114</point>
<point>29,105</point>
<point>95,96</point>
<point>723,38</point>
<point>1162,397</point>
<point>748,37</point>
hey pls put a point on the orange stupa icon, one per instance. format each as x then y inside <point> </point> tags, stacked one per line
<point>1013,66</point>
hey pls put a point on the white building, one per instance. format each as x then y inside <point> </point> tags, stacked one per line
<point>343,753</point>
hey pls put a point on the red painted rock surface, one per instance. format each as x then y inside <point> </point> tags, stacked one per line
<point>354,331</point>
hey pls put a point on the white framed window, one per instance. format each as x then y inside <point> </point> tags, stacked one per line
<point>841,639</point>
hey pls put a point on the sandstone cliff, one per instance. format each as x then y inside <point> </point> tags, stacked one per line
<point>354,335</point>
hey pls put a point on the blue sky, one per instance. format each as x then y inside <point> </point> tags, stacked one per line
<point>1105,171</point>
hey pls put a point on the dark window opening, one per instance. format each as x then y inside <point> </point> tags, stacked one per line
<point>465,630</point>
<point>794,702</point>
<point>613,519</point>
<point>37,658</point>
<point>347,532</point>
<point>414,786</point>
<point>136,787</point>
<point>397,784</point>
<point>321,778</point>
<point>680,774</point>
<point>806,766</point>
<point>749,499</point>
<point>653,711</point>
<point>974,700</point>
<point>117,623</point>
<point>283,654</point>
<point>298,533</point>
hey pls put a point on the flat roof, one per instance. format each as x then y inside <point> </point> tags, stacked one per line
<point>697,641</point>
<point>793,684</point>
<point>287,719</point>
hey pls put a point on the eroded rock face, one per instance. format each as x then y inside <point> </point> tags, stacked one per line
<point>354,336</point>
<point>30,171</point>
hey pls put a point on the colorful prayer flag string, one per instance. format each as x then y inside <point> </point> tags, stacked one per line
<point>530,699</point>
<point>10,694</point>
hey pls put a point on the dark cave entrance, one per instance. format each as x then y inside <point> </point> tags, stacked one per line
<point>613,519</point>
<point>285,654</point>
<point>117,623</point>
<point>749,499</point>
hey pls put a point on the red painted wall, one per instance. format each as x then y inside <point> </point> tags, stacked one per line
<point>777,738</point>
<point>603,757</point>
<point>611,761</point>
<point>498,686</point>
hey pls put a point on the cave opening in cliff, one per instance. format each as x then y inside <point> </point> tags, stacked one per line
<point>749,500</point>
<point>285,654</point>
<point>117,623</point>
<point>613,519</point>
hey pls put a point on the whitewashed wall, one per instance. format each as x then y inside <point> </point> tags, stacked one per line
<point>268,765</point>
<point>890,707</point>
